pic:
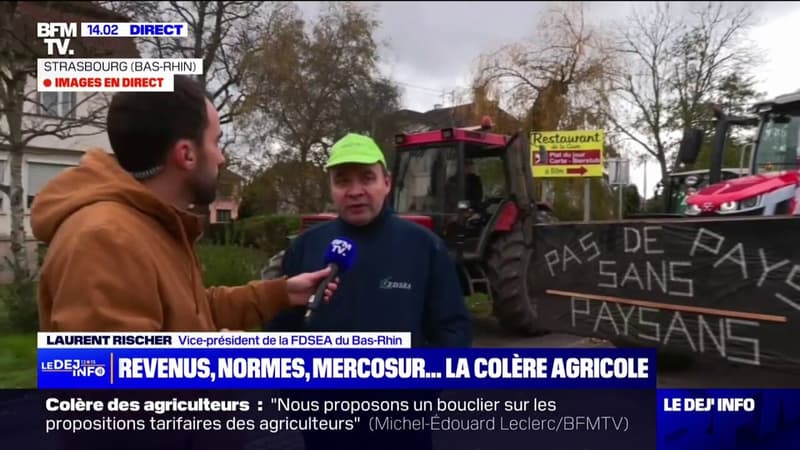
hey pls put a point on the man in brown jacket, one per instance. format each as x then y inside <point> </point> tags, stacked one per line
<point>121,251</point>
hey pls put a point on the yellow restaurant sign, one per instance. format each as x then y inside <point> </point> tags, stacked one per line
<point>567,154</point>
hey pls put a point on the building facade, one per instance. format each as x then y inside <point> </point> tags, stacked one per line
<point>47,155</point>
<point>229,197</point>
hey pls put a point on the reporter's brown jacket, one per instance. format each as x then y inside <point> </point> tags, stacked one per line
<point>120,259</point>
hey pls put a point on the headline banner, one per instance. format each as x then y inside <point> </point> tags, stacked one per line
<point>75,368</point>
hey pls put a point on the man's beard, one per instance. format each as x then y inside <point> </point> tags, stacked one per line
<point>203,188</point>
<point>204,192</point>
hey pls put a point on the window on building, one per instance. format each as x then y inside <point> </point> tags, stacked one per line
<point>40,174</point>
<point>223,215</point>
<point>58,104</point>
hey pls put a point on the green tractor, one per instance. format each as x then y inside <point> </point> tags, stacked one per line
<point>475,189</point>
<point>674,190</point>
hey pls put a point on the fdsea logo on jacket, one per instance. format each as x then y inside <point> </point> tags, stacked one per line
<point>387,283</point>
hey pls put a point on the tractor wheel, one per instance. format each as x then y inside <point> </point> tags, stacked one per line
<point>508,267</point>
<point>274,268</point>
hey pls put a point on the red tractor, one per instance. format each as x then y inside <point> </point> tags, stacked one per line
<point>773,185</point>
<point>475,189</point>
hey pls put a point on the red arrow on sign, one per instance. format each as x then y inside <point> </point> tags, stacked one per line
<point>579,170</point>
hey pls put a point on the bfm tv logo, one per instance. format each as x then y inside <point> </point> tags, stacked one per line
<point>341,247</point>
<point>77,367</point>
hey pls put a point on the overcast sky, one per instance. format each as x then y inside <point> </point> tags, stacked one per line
<point>431,47</point>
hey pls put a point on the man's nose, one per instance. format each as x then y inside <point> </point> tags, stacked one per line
<point>355,190</point>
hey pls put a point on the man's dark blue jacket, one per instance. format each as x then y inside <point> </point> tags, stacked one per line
<point>402,279</point>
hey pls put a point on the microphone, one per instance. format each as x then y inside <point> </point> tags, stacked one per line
<point>339,257</point>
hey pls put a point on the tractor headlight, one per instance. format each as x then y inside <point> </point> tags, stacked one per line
<point>751,202</point>
<point>741,205</point>
<point>692,210</point>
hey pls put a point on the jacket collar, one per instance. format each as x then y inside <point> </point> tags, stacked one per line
<point>192,224</point>
<point>373,227</point>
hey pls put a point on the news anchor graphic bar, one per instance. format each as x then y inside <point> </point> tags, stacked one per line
<point>728,419</point>
<point>106,82</point>
<point>570,399</point>
<point>112,75</point>
<point>228,340</point>
<point>69,30</point>
<point>496,419</point>
<point>127,29</point>
<point>132,66</point>
<point>154,368</point>
<point>65,70</point>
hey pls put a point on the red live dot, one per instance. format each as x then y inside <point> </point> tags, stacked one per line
<point>47,82</point>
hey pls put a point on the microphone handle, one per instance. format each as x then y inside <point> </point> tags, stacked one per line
<point>320,294</point>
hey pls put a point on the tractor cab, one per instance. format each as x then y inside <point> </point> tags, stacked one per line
<point>454,181</point>
<point>773,186</point>
<point>475,189</point>
<point>778,142</point>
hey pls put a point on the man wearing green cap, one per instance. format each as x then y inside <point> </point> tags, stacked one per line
<point>360,181</point>
<point>401,280</point>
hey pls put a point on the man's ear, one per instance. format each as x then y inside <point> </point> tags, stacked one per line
<point>184,154</point>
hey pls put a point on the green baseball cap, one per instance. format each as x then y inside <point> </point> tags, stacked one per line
<point>355,148</point>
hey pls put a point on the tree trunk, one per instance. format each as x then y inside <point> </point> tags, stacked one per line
<point>14,103</point>
<point>662,161</point>
<point>17,194</point>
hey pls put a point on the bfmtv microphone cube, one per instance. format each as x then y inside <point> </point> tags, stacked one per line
<point>339,257</point>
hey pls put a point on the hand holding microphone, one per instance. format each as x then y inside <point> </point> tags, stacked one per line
<point>338,259</point>
<point>303,286</point>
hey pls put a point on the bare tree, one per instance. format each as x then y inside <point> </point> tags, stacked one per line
<point>26,117</point>
<point>551,80</point>
<point>220,33</point>
<point>558,60</point>
<point>711,59</point>
<point>309,84</point>
<point>671,67</point>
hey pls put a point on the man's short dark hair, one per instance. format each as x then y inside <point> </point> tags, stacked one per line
<point>143,126</point>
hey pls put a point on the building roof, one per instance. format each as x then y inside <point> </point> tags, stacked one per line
<point>29,13</point>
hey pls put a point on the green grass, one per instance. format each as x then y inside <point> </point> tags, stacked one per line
<point>227,265</point>
<point>18,361</point>
<point>17,350</point>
